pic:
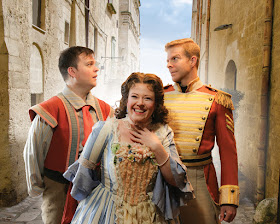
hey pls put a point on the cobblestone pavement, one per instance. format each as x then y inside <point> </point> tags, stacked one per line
<point>29,212</point>
<point>26,212</point>
<point>245,212</point>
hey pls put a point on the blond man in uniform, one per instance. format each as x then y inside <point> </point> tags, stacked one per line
<point>201,114</point>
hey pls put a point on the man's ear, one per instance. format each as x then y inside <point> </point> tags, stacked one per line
<point>194,60</point>
<point>72,72</point>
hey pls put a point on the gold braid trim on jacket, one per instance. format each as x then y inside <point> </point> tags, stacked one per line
<point>222,98</point>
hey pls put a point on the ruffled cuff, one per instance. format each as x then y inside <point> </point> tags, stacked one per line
<point>84,180</point>
<point>169,198</point>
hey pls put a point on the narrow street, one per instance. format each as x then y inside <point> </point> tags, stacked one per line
<point>29,212</point>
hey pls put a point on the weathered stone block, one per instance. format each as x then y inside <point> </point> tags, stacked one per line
<point>266,212</point>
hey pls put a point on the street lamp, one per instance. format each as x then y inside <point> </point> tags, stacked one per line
<point>102,66</point>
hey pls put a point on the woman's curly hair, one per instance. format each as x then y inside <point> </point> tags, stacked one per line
<point>160,114</point>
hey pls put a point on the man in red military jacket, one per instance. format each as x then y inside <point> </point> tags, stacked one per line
<point>60,127</point>
<point>199,115</point>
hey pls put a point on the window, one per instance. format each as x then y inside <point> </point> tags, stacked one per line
<point>95,41</point>
<point>132,63</point>
<point>36,9</point>
<point>66,33</point>
<point>36,98</point>
<point>36,76</point>
<point>230,79</point>
<point>38,14</point>
<point>113,47</point>
<point>113,60</point>
<point>87,21</point>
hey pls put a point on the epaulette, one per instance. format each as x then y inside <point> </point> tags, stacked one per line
<point>222,98</point>
<point>168,88</point>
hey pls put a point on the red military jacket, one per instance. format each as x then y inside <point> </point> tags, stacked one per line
<point>219,125</point>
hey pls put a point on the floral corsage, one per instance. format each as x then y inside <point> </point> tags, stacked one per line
<point>133,152</point>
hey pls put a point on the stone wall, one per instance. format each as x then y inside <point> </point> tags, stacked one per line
<point>4,121</point>
<point>273,155</point>
<point>14,83</point>
<point>19,37</point>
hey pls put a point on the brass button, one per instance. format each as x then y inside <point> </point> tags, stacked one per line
<point>206,108</point>
<point>203,118</point>
<point>232,190</point>
<point>194,150</point>
<point>210,98</point>
<point>200,128</point>
<point>197,139</point>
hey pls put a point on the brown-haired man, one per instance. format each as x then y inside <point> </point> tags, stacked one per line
<point>199,115</point>
<point>60,127</point>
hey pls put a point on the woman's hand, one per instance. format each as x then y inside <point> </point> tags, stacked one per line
<point>145,137</point>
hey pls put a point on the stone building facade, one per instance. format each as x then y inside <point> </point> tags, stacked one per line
<point>32,34</point>
<point>118,64</point>
<point>240,49</point>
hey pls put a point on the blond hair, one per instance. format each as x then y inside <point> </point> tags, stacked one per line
<point>189,46</point>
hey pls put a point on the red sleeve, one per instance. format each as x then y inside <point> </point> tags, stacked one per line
<point>227,146</point>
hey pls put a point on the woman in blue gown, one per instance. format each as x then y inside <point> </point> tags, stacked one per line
<point>142,177</point>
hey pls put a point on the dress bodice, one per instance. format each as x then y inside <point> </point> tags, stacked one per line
<point>135,168</point>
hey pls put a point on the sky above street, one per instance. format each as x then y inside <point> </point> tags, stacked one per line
<point>161,21</point>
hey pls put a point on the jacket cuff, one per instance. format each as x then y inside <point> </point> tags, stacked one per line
<point>229,194</point>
